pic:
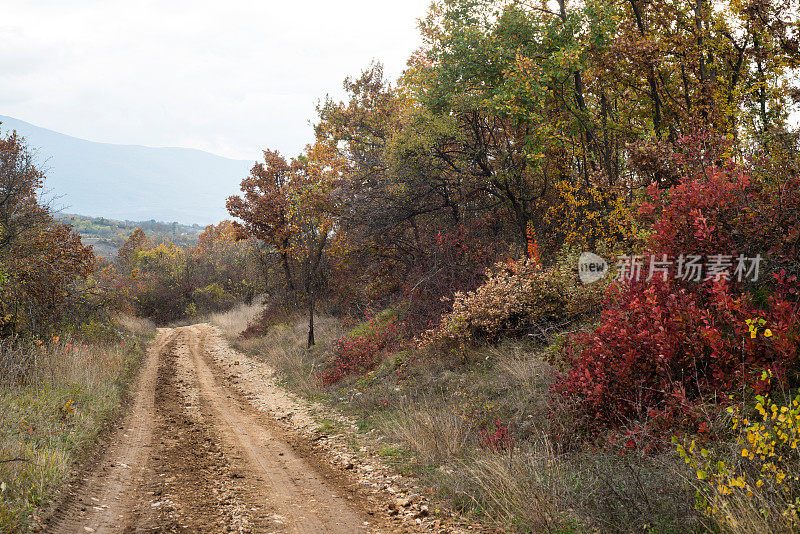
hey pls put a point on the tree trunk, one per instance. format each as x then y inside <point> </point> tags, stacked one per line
<point>310,320</point>
<point>287,271</point>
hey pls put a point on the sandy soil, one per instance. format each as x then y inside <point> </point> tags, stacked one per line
<point>206,447</point>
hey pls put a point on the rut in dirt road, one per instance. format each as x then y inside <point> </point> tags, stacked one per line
<point>194,456</point>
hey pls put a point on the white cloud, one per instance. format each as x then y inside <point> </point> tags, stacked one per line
<point>230,77</point>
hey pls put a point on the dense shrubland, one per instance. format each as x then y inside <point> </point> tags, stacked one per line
<point>661,347</point>
<point>165,282</point>
<point>458,197</point>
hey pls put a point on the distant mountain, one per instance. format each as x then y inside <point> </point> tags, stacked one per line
<point>130,182</point>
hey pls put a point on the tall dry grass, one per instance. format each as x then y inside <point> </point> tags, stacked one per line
<point>56,396</point>
<point>284,348</point>
<point>523,486</point>
<point>234,321</point>
<point>436,435</point>
<point>60,360</point>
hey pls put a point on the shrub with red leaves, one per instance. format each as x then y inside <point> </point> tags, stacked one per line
<point>660,348</point>
<point>665,346</point>
<point>361,351</point>
<point>499,440</point>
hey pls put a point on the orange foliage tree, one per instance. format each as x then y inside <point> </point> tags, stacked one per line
<point>43,264</point>
<point>290,206</point>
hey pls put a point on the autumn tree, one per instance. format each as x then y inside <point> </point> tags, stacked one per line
<point>560,111</point>
<point>20,179</point>
<point>128,252</point>
<point>290,207</point>
<point>262,209</point>
<point>43,263</point>
<point>313,215</point>
<point>401,210</point>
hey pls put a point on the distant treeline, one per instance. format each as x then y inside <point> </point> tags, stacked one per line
<point>107,235</point>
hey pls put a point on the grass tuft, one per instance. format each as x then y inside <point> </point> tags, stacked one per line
<point>234,321</point>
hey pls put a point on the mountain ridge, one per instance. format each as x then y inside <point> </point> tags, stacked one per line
<point>132,182</point>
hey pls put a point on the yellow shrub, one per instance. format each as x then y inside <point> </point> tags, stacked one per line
<point>756,487</point>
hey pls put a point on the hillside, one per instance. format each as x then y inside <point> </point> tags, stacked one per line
<point>107,235</point>
<point>129,182</point>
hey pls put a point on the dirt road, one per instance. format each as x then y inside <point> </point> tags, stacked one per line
<point>194,454</point>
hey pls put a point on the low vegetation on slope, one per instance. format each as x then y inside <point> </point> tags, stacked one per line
<point>57,395</point>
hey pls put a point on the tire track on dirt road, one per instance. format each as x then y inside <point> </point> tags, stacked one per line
<point>305,503</point>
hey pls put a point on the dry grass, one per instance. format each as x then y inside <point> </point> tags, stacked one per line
<point>438,410</point>
<point>284,348</point>
<point>136,325</point>
<point>234,321</point>
<point>525,486</point>
<point>55,398</point>
<point>434,434</point>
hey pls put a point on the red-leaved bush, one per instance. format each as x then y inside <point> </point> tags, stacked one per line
<point>499,440</point>
<point>660,348</point>
<point>361,350</point>
<point>665,346</point>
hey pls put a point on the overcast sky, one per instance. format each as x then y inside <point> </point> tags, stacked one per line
<point>231,77</point>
